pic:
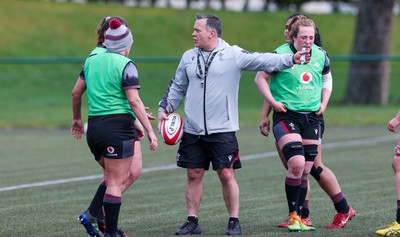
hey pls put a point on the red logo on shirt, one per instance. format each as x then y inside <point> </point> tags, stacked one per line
<point>306,77</point>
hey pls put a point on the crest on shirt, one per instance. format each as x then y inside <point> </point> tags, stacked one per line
<point>220,55</point>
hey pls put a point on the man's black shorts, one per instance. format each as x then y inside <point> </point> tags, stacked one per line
<point>111,136</point>
<point>197,151</point>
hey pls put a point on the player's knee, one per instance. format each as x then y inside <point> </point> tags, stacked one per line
<point>310,152</point>
<point>292,149</point>
<point>226,175</point>
<point>396,159</point>
<point>194,174</point>
<point>316,172</point>
<point>135,175</point>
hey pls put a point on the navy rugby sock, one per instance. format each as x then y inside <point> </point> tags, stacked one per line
<point>302,196</point>
<point>305,211</point>
<point>340,203</point>
<point>292,189</point>
<point>96,206</point>
<point>112,205</point>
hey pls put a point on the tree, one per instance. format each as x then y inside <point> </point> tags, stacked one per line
<point>223,5</point>
<point>246,5</point>
<point>368,76</point>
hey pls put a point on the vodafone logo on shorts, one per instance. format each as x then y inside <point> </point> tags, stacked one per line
<point>110,151</point>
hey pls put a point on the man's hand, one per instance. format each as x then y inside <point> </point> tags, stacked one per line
<point>297,57</point>
<point>161,117</point>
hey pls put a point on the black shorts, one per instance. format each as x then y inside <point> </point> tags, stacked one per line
<point>322,124</point>
<point>308,125</point>
<point>221,149</point>
<point>111,136</point>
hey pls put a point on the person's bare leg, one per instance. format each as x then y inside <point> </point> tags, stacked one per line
<point>230,190</point>
<point>194,190</point>
<point>325,177</point>
<point>116,173</point>
<point>135,170</point>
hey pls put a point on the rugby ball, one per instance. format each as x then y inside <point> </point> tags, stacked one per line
<point>172,129</point>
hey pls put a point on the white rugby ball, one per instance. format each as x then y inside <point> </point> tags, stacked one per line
<point>172,129</point>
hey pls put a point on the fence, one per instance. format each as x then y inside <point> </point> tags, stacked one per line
<point>176,59</point>
<point>33,87</point>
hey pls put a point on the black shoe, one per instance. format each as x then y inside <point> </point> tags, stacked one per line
<point>116,235</point>
<point>233,228</point>
<point>189,228</point>
<point>121,233</point>
<point>102,227</point>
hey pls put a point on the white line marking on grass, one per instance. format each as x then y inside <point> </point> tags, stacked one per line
<point>45,183</point>
<point>359,142</point>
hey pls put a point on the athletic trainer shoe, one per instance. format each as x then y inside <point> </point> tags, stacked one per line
<point>284,224</point>
<point>102,227</point>
<point>304,226</point>
<point>121,233</point>
<point>90,224</point>
<point>233,228</point>
<point>189,228</point>
<point>340,220</point>
<point>307,220</point>
<point>390,230</point>
<point>294,222</point>
<point>115,235</point>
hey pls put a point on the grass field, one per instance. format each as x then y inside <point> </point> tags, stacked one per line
<point>154,205</point>
<point>37,95</point>
<point>47,178</point>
